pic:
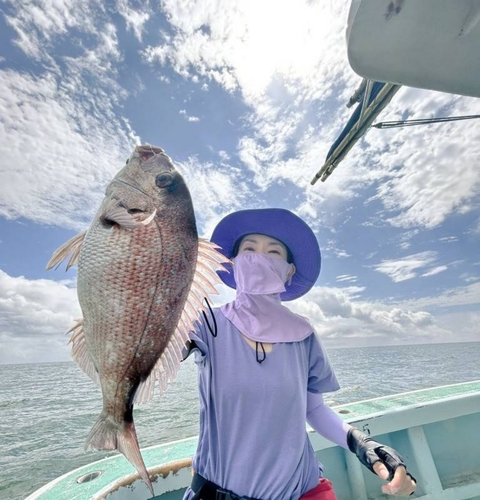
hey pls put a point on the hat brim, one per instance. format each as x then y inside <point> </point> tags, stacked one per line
<point>284,226</point>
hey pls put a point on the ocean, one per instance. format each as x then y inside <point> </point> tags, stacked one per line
<point>47,410</point>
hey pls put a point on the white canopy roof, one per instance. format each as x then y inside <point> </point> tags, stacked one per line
<point>432,44</point>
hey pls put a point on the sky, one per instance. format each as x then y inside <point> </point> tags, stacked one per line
<point>246,97</point>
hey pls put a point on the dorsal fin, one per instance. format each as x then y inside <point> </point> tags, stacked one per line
<point>209,261</point>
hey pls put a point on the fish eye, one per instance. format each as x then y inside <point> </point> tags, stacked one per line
<point>166,181</point>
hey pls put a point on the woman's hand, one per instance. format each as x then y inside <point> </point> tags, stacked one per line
<point>402,483</point>
<point>383,461</point>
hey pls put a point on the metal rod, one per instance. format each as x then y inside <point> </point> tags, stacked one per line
<point>423,121</point>
<point>366,98</point>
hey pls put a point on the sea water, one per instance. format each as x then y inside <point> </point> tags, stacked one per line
<point>47,410</point>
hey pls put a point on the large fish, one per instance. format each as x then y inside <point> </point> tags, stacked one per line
<point>142,277</point>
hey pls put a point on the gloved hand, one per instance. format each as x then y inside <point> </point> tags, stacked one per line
<point>369,452</point>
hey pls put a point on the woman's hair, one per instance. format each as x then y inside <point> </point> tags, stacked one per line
<point>236,248</point>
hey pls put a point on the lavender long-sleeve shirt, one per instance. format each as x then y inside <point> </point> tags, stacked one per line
<point>253,438</point>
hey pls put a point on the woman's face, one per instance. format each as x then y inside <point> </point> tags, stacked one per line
<point>259,243</point>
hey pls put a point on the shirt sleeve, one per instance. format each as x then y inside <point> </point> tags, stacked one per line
<point>321,376</point>
<point>198,339</point>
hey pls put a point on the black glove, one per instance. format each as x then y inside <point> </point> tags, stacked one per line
<point>370,452</point>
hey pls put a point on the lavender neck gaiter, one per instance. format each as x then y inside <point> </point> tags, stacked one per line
<point>257,310</point>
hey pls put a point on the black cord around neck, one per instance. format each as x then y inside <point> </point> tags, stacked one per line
<point>213,331</point>
<point>260,360</point>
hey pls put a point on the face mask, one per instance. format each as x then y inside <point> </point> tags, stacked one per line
<point>257,311</point>
<point>259,274</point>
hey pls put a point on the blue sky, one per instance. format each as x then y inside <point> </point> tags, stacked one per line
<point>246,100</point>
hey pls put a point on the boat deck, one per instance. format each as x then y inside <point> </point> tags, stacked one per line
<point>436,430</point>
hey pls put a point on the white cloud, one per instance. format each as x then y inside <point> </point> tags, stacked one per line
<point>343,320</point>
<point>469,278</point>
<point>237,48</point>
<point>347,277</point>
<point>224,156</point>
<point>34,315</point>
<point>135,18</point>
<point>406,238</point>
<point>449,239</point>
<point>57,157</point>
<point>476,227</point>
<point>63,136</point>
<point>431,172</point>
<point>331,246</point>
<point>98,61</point>
<point>453,297</point>
<point>216,190</point>
<point>435,270</point>
<point>188,117</point>
<point>341,254</point>
<point>405,269</point>
<point>464,325</point>
<point>37,23</point>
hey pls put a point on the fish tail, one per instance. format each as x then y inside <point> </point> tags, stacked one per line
<point>108,434</point>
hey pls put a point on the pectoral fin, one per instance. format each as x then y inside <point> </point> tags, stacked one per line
<point>116,214</point>
<point>80,352</point>
<point>73,247</point>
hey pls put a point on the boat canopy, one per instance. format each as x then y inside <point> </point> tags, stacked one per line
<point>432,44</point>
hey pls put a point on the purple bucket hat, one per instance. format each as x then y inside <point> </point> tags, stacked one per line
<point>284,226</point>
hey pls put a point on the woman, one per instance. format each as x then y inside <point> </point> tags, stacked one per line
<point>262,373</point>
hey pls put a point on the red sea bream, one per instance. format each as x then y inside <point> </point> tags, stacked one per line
<point>142,277</point>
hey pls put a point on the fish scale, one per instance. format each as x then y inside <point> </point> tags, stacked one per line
<point>142,276</point>
<point>144,318</point>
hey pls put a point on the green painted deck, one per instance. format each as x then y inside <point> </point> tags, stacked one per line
<point>112,468</point>
<point>401,401</point>
<point>417,424</point>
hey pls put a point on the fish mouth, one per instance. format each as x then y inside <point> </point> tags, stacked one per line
<point>131,211</point>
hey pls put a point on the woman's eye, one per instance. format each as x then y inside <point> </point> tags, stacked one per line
<point>248,249</point>
<point>274,251</point>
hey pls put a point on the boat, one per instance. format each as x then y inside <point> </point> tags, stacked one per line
<point>436,430</point>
